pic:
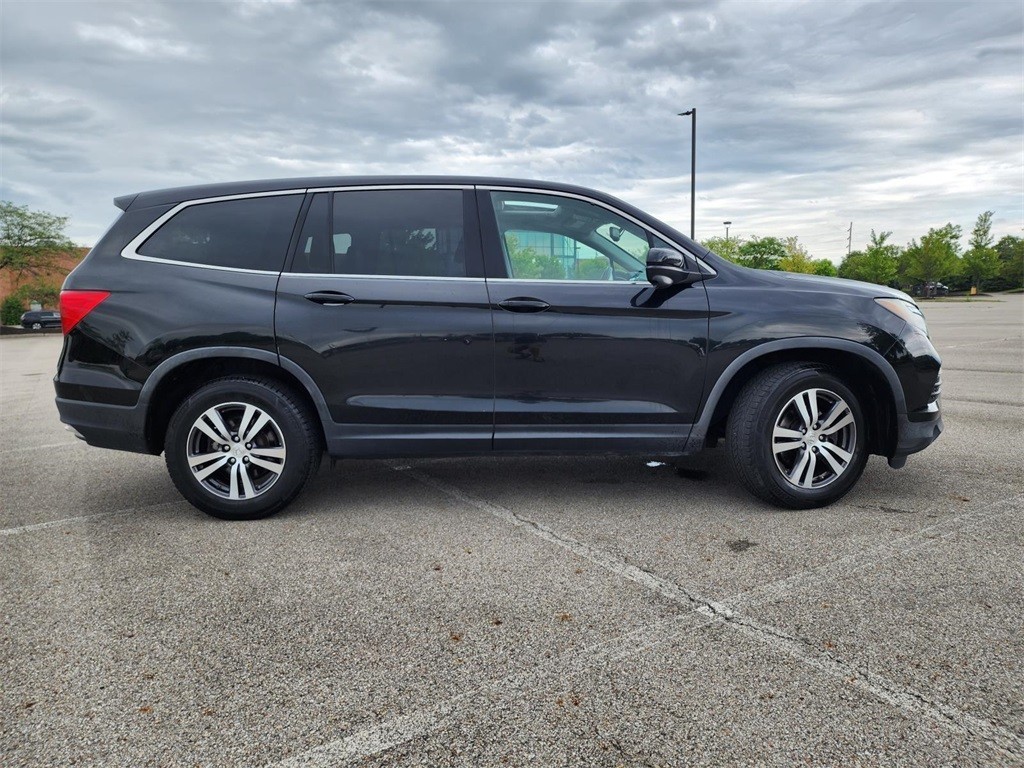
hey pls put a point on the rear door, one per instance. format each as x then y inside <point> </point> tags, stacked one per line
<point>588,355</point>
<point>384,304</point>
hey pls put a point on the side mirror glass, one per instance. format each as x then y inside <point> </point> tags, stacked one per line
<point>667,267</point>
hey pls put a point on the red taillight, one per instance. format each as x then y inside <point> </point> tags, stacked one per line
<point>74,305</point>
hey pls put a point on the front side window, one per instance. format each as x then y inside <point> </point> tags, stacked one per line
<point>251,233</point>
<point>548,237</point>
<point>397,232</point>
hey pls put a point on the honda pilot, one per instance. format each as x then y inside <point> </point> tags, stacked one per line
<point>246,329</point>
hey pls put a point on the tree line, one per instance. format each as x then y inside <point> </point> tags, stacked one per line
<point>938,257</point>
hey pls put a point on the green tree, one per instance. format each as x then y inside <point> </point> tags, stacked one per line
<point>825,268</point>
<point>876,264</point>
<point>528,264</point>
<point>981,261</point>
<point>30,240</point>
<point>761,253</point>
<point>852,265</point>
<point>1011,261</point>
<point>796,259</point>
<point>935,258</point>
<point>10,310</point>
<point>727,249</point>
<point>45,293</point>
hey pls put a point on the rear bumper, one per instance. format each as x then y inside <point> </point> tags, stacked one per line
<point>119,427</point>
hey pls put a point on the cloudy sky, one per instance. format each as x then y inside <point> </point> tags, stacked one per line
<point>893,115</point>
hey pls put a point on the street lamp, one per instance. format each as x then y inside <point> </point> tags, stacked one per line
<point>692,113</point>
<point>727,223</point>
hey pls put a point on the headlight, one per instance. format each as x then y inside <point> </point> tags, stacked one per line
<point>905,310</point>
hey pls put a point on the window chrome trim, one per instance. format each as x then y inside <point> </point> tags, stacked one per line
<point>558,193</point>
<point>383,277</point>
<point>131,251</point>
<point>383,187</point>
<point>553,281</point>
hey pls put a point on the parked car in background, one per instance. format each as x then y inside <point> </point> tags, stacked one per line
<point>38,319</point>
<point>930,290</point>
<point>245,329</point>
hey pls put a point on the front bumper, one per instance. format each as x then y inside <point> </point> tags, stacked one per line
<point>915,432</point>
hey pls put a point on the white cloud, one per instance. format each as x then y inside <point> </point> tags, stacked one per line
<point>134,44</point>
<point>898,116</point>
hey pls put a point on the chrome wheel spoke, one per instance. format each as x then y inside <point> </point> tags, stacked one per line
<point>847,419</point>
<point>243,472</point>
<point>830,459</point>
<point>202,458</point>
<point>838,409</point>
<point>275,468</point>
<point>203,426</point>
<point>218,423</point>
<point>243,423</point>
<point>208,470</point>
<point>788,446</point>
<point>233,490</point>
<point>267,453</point>
<point>798,469</point>
<point>257,426</point>
<point>804,402</point>
<point>785,439</point>
<point>837,451</point>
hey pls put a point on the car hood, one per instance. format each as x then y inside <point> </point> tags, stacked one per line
<point>795,281</point>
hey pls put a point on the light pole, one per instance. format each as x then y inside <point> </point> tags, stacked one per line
<point>693,166</point>
<point>727,223</point>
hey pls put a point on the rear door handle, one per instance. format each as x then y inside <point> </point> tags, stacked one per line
<point>523,304</point>
<point>330,298</point>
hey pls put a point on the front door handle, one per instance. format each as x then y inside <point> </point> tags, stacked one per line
<point>330,298</point>
<point>523,304</point>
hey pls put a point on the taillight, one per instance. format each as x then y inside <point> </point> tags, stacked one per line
<point>74,305</point>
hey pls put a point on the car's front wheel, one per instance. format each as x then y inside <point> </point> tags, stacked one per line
<point>242,448</point>
<point>797,436</point>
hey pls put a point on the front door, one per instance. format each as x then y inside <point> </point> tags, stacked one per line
<point>588,355</point>
<point>385,306</point>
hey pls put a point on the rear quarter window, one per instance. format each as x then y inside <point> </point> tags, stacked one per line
<point>252,233</point>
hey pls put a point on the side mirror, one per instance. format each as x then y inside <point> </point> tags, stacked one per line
<point>666,267</point>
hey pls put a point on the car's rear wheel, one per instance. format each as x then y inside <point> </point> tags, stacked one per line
<point>242,448</point>
<point>797,436</point>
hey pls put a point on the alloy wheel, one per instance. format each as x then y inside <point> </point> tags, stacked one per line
<point>814,438</point>
<point>236,451</point>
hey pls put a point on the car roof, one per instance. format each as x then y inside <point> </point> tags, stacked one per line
<point>173,195</point>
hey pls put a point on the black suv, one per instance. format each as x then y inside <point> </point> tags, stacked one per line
<point>37,319</point>
<point>243,329</point>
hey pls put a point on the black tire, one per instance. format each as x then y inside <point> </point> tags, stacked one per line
<point>766,402</point>
<point>292,428</point>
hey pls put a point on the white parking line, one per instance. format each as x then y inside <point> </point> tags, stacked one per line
<point>873,555</point>
<point>82,519</point>
<point>377,738</point>
<point>374,739</point>
<point>41,447</point>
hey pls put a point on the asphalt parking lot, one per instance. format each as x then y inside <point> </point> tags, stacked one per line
<point>545,611</point>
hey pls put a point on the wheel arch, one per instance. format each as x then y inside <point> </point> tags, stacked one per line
<point>176,377</point>
<point>871,377</point>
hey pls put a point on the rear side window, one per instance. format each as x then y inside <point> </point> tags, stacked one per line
<point>252,233</point>
<point>398,232</point>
